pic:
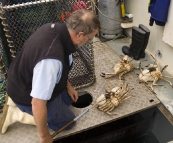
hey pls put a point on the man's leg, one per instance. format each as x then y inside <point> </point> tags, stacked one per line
<point>27,109</point>
<point>66,98</point>
<point>12,114</point>
<point>59,113</point>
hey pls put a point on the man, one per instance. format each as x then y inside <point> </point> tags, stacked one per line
<point>37,77</point>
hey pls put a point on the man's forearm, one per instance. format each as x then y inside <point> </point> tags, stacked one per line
<point>72,92</point>
<point>68,84</point>
<point>40,116</point>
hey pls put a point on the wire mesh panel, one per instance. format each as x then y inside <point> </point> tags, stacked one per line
<point>24,19</point>
<point>21,20</point>
<point>82,72</point>
<point>3,73</point>
<point>2,91</point>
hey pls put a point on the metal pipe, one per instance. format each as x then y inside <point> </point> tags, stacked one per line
<point>69,123</point>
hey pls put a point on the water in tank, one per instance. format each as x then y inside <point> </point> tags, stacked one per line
<point>109,14</point>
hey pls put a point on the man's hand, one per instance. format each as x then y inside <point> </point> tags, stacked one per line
<point>46,139</point>
<point>72,92</point>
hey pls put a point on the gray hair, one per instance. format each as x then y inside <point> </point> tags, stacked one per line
<point>83,21</point>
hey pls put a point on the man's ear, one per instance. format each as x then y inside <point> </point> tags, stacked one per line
<point>80,34</point>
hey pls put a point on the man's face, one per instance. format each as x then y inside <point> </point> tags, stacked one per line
<point>82,39</point>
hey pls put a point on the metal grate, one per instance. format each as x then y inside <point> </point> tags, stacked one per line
<point>21,20</point>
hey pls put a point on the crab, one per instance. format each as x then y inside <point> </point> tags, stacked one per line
<point>121,68</point>
<point>153,73</point>
<point>107,102</point>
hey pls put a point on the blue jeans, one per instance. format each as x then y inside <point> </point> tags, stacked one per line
<point>58,111</point>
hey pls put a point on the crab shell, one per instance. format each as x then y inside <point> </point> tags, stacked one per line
<point>146,76</point>
<point>118,68</point>
<point>116,90</point>
<point>102,99</point>
<point>115,102</point>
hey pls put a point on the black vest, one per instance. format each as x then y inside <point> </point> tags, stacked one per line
<point>51,41</point>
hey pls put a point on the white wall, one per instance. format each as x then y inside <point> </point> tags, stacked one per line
<point>168,30</point>
<point>139,9</point>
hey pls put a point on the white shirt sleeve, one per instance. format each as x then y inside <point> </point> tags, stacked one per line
<point>70,59</point>
<point>46,74</point>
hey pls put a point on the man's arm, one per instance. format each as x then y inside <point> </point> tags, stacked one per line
<point>39,110</point>
<point>72,92</point>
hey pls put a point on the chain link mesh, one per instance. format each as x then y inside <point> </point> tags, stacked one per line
<point>21,20</point>
<point>2,91</point>
<point>3,69</point>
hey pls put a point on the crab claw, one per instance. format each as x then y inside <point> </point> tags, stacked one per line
<point>102,74</point>
<point>125,58</point>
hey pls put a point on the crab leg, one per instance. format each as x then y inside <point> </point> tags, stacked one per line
<point>154,84</point>
<point>164,68</point>
<point>140,68</point>
<point>104,106</point>
<point>125,99</point>
<point>167,81</point>
<point>108,109</point>
<point>109,113</point>
<point>120,75</point>
<point>168,76</point>
<point>108,75</point>
<point>156,62</point>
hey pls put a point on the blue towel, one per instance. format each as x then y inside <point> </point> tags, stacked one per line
<point>159,11</point>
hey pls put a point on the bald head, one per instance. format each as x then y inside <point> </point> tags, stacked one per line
<point>83,21</point>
